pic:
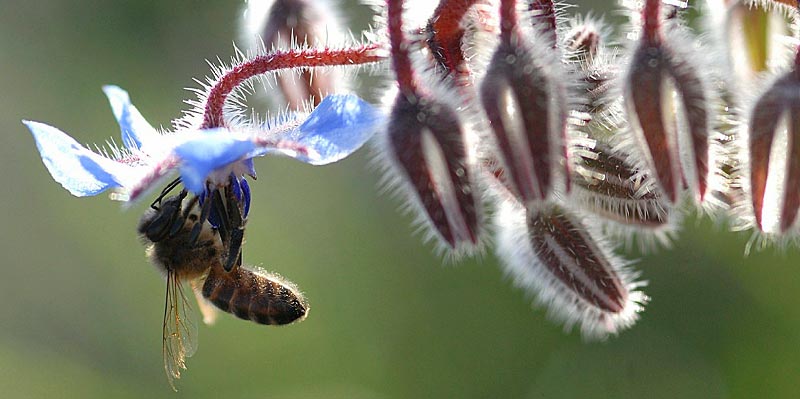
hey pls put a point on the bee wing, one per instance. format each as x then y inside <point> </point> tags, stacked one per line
<point>179,333</point>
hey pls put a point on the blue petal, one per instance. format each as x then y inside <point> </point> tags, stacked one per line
<point>211,150</point>
<point>136,132</point>
<point>339,126</point>
<point>82,172</point>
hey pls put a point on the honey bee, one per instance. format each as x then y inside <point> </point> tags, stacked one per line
<point>187,248</point>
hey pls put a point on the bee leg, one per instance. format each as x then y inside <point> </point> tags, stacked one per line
<point>179,222</point>
<point>222,216</point>
<point>171,186</point>
<point>237,224</point>
<point>235,249</point>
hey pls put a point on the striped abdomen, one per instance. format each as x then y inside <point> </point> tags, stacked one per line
<point>254,295</point>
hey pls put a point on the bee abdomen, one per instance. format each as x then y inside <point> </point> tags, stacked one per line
<point>253,295</point>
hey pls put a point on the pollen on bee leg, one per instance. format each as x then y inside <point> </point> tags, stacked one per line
<point>206,308</point>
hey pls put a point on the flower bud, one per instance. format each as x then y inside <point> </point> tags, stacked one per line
<point>773,146</point>
<point>583,42</point>
<point>607,184</point>
<point>525,102</point>
<point>596,68</point>
<point>753,36</point>
<point>668,110</point>
<point>427,141</point>
<point>549,251</point>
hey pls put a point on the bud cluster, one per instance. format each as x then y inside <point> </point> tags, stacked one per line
<point>555,138</point>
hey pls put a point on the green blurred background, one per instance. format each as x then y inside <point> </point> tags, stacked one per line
<point>81,309</point>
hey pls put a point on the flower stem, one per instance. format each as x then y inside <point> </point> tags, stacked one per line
<point>508,19</point>
<point>296,58</point>
<point>652,22</point>
<point>447,34</point>
<point>401,61</point>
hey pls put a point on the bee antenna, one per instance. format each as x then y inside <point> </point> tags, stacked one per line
<point>171,186</point>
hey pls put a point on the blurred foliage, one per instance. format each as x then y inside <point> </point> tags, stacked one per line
<point>81,308</point>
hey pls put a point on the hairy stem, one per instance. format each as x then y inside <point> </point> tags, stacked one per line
<point>652,22</point>
<point>401,61</point>
<point>307,58</point>
<point>508,19</point>
<point>447,34</point>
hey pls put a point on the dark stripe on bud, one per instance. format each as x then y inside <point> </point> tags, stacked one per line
<point>567,250</point>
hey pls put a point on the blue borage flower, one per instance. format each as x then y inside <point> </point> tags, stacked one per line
<point>204,158</point>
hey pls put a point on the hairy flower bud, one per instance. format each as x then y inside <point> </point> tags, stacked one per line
<point>607,184</point>
<point>525,103</point>
<point>445,33</point>
<point>773,145</point>
<point>752,37</point>
<point>583,42</point>
<point>427,141</point>
<point>596,68</point>
<point>668,110</point>
<point>549,251</point>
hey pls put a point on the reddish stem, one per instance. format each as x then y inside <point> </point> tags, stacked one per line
<point>307,58</point>
<point>508,19</point>
<point>652,22</point>
<point>447,34</point>
<point>401,61</point>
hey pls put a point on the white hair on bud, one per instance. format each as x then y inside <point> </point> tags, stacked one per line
<point>256,13</point>
<point>771,5</point>
<point>521,263</point>
<point>564,96</point>
<point>643,219</point>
